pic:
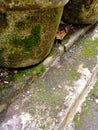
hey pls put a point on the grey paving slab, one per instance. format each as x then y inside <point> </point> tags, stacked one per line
<point>51,102</point>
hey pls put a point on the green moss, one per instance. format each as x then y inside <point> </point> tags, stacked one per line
<point>34,38</point>
<point>89,52</point>
<point>35,71</point>
<point>52,99</point>
<point>53,50</point>
<point>94,91</point>
<point>77,119</point>
<point>8,92</point>
<point>18,77</point>
<point>29,42</point>
<point>73,74</point>
<point>91,48</point>
<point>86,107</point>
<point>39,70</point>
<point>30,38</point>
<point>78,116</point>
<point>53,16</point>
<point>65,41</point>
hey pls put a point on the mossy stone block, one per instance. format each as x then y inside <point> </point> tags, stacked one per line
<point>26,36</point>
<point>31,4</point>
<point>81,11</point>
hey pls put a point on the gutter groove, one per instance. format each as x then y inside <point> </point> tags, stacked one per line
<point>79,100</point>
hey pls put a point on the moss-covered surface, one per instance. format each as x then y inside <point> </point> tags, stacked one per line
<point>88,113</point>
<point>81,12</point>
<point>33,4</point>
<point>88,51</point>
<point>37,70</point>
<point>90,48</point>
<point>28,37</point>
<point>40,93</point>
<point>26,40</point>
<point>16,84</point>
<point>49,98</point>
<point>45,104</point>
<point>65,40</point>
<point>73,74</point>
<point>30,41</point>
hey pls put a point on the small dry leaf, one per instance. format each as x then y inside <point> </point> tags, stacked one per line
<point>60,35</point>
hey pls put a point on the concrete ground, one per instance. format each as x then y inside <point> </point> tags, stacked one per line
<point>51,101</point>
<point>87,119</point>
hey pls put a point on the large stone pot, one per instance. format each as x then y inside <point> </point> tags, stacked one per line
<point>27,30</point>
<point>81,12</point>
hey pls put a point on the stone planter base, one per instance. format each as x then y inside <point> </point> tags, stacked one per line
<point>26,36</point>
<point>81,12</point>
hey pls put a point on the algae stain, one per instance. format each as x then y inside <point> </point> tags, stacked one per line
<point>53,16</point>
<point>89,52</point>
<point>47,96</point>
<point>78,119</point>
<point>29,42</point>
<point>51,99</point>
<point>96,42</point>
<point>94,91</point>
<point>34,38</point>
<point>37,70</point>
<point>73,74</point>
<point>91,47</point>
<point>65,41</point>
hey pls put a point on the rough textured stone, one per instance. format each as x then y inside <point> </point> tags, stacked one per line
<point>52,100</point>
<point>16,84</point>
<point>27,30</point>
<point>34,4</point>
<point>26,37</point>
<point>81,11</point>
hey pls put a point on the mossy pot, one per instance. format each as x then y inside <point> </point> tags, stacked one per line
<point>33,4</point>
<point>27,31</point>
<point>81,12</point>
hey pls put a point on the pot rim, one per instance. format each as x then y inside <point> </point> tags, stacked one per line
<point>21,6</point>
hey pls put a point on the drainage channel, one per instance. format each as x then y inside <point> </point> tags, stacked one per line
<point>79,100</point>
